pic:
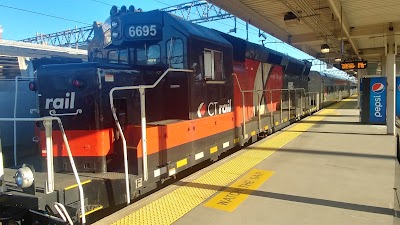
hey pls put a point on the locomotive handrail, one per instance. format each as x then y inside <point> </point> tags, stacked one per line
<point>243,110</point>
<point>50,168</point>
<point>141,89</point>
<point>281,101</point>
<point>303,92</point>
<point>265,90</point>
<point>15,113</point>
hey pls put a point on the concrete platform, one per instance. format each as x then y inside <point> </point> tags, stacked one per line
<point>325,169</point>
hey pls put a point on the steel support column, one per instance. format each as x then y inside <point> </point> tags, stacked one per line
<point>359,91</point>
<point>383,66</point>
<point>390,68</point>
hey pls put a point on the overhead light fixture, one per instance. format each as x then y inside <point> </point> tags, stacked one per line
<point>324,48</point>
<point>338,59</point>
<point>291,20</point>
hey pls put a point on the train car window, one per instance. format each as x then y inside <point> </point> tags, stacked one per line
<point>153,55</point>
<point>112,56</point>
<point>123,56</point>
<point>98,56</point>
<point>218,65</point>
<point>148,55</point>
<point>213,62</point>
<point>132,54</point>
<point>208,64</point>
<point>106,27</point>
<point>175,53</point>
<point>141,56</point>
<point>118,57</point>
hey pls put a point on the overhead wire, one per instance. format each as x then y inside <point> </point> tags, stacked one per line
<point>43,14</point>
<point>101,2</point>
<point>283,45</point>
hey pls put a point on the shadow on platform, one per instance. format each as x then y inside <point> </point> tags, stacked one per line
<point>339,116</point>
<point>292,198</point>
<point>332,122</point>
<point>331,132</point>
<point>316,152</point>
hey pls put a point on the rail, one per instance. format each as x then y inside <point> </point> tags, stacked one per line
<point>47,121</point>
<point>141,89</point>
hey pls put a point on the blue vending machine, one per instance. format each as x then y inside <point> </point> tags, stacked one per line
<point>373,100</point>
<point>373,103</point>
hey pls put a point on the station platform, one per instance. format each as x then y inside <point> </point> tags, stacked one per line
<point>325,169</point>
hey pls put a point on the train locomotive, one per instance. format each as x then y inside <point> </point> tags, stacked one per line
<point>158,96</point>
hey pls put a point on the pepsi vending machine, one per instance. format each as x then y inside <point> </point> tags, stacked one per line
<point>373,100</point>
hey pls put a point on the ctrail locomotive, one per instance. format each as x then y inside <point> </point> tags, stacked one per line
<point>158,95</point>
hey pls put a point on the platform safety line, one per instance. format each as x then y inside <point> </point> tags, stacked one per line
<point>231,197</point>
<point>172,206</point>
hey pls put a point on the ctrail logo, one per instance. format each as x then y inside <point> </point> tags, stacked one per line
<point>61,103</point>
<point>378,88</point>
<point>201,110</point>
<point>214,108</point>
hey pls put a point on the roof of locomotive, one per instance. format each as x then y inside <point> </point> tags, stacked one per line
<point>180,25</point>
<point>245,49</point>
<point>241,48</point>
<point>198,31</point>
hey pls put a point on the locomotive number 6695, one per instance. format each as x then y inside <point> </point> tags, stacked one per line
<point>142,31</point>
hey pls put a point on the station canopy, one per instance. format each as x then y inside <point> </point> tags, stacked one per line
<point>352,30</point>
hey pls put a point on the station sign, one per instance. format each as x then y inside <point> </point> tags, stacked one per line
<point>353,65</point>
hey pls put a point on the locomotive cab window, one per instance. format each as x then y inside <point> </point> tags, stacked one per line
<point>118,57</point>
<point>213,65</point>
<point>148,55</point>
<point>113,57</point>
<point>175,53</point>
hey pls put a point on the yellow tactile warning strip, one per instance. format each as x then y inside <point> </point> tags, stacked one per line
<point>177,203</point>
<point>230,198</point>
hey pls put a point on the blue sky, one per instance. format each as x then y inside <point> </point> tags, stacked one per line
<point>19,24</point>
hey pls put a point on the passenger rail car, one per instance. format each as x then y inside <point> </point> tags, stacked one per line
<point>158,96</point>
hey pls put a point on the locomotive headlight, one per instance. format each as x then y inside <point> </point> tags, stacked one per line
<point>115,34</point>
<point>24,177</point>
<point>114,23</point>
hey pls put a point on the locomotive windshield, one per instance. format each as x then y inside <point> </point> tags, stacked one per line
<point>106,27</point>
<point>143,55</point>
<point>146,54</point>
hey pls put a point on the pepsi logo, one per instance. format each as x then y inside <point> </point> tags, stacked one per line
<point>201,110</point>
<point>398,87</point>
<point>378,88</point>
